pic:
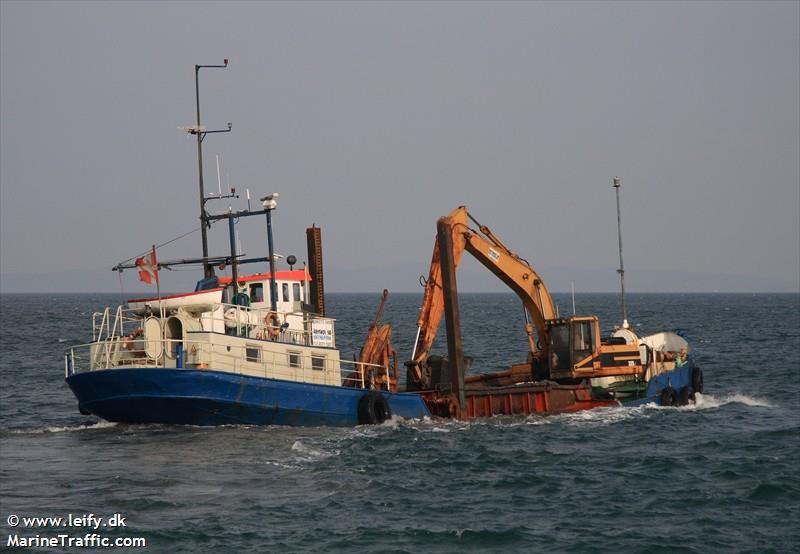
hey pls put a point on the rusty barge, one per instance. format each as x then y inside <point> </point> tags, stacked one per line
<point>569,366</point>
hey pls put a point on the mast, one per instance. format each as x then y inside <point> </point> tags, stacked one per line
<point>621,270</point>
<point>201,134</point>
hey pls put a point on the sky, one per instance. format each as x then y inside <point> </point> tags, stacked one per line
<point>373,119</point>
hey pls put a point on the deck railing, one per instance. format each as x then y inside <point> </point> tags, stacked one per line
<point>267,324</point>
<point>257,360</point>
<point>108,327</point>
<point>242,321</point>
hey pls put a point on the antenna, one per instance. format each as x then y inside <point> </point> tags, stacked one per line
<point>573,297</point>
<point>192,129</point>
<point>621,270</point>
<point>219,182</point>
<point>201,133</point>
<point>248,199</point>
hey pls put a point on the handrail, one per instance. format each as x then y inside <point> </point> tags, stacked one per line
<point>203,355</point>
<point>258,323</point>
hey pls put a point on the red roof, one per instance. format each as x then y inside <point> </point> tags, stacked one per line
<point>293,275</point>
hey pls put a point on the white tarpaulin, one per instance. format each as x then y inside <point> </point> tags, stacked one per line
<point>665,342</point>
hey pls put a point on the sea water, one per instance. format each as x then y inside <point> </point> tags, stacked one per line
<point>719,476</point>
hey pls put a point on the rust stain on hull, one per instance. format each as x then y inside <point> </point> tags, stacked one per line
<point>522,399</point>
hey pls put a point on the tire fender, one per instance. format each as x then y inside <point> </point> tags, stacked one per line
<point>697,380</point>
<point>373,409</point>
<point>669,397</point>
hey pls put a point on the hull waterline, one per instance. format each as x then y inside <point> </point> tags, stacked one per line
<point>204,397</point>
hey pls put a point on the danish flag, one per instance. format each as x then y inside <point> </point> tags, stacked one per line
<point>148,267</point>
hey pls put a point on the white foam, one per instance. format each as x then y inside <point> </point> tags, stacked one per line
<point>599,416</point>
<point>282,465</point>
<point>66,429</point>
<point>706,401</point>
<point>308,454</point>
<point>393,422</point>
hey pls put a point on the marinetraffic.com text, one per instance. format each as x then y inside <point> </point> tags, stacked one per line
<point>70,531</point>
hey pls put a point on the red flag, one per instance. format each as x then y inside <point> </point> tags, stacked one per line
<point>148,267</point>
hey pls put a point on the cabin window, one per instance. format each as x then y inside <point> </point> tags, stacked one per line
<point>318,362</point>
<point>252,354</point>
<point>582,339</point>
<point>295,359</point>
<point>256,292</point>
<point>296,292</point>
<point>285,288</point>
<point>559,347</point>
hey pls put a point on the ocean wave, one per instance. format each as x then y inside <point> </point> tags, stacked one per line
<point>282,465</point>
<point>600,416</point>
<point>707,401</point>
<point>308,454</point>
<point>64,429</point>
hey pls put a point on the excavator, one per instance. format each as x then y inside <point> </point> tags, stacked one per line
<point>564,351</point>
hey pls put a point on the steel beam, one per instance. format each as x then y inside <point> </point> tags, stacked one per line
<point>452,318</point>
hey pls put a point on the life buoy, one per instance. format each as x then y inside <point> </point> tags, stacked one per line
<point>130,338</point>
<point>669,397</point>
<point>272,325</point>
<point>697,380</point>
<point>373,409</point>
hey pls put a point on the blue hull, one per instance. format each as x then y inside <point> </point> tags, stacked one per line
<point>677,379</point>
<point>192,397</point>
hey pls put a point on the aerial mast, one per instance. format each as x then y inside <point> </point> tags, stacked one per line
<point>621,270</point>
<point>201,134</point>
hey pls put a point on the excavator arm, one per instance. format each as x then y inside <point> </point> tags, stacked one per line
<point>515,272</point>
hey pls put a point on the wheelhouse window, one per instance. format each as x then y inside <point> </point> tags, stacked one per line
<point>582,339</point>
<point>285,288</point>
<point>256,292</point>
<point>318,362</point>
<point>559,347</point>
<point>296,292</point>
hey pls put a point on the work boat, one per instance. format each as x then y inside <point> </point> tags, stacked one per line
<point>238,349</point>
<point>222,354</point>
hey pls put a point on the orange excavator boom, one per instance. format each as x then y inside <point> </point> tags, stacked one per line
<point>490,251</point>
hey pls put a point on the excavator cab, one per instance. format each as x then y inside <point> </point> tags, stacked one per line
<point>573,343</point>
<point>576,351</point>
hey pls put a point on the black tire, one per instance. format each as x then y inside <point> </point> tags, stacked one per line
<point>373,409</point>
<point>683,396</point>
<point>697,380</point>
<point>669,397</point>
